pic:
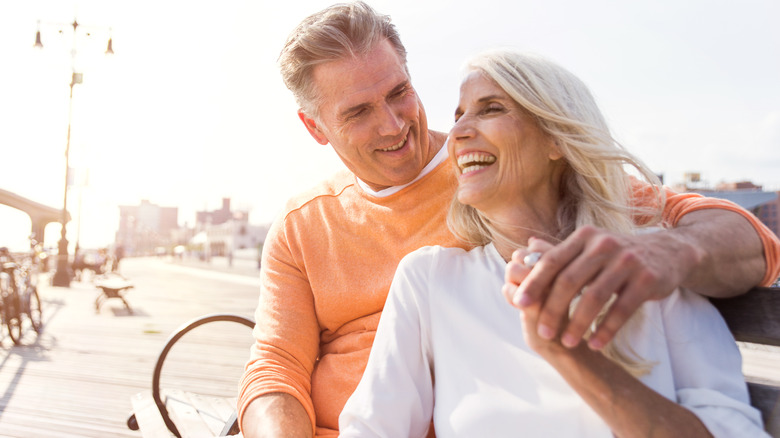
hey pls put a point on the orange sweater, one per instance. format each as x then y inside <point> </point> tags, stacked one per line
<point>327,265</point>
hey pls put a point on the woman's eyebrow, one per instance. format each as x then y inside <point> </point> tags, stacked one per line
<point>490,97</point>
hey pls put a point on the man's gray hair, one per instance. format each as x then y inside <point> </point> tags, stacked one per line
<point>339,31</point>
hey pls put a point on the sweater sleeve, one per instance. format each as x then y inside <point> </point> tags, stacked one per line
<point>707,367</point>
<point>395,395</point>
<point>286,331</point>
<point>679,204</point>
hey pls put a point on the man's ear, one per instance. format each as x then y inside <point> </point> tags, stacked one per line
<point>311,126</point>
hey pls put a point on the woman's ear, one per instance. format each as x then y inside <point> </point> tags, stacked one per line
<point>555,153</point>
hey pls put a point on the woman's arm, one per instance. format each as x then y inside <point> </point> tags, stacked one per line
<point>710,396</point>
<point>628,406</point>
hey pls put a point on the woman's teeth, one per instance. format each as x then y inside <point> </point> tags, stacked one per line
<point>473,162</point>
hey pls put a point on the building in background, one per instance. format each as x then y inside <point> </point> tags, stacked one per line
<point>215,217</point>
<point>225,233</point>
<point>145,227</point>
<point>148,229</point>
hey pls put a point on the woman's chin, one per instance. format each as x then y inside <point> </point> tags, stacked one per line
<point>468,197</point>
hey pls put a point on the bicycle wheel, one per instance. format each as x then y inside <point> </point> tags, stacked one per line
<point>13,318</point>
<point>34,309</point>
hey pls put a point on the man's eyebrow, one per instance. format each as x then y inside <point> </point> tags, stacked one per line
<point>353,109</point>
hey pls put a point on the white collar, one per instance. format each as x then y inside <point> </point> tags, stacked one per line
<point>437,159</point>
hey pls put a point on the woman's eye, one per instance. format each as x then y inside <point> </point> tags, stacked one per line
<point>490,109</point>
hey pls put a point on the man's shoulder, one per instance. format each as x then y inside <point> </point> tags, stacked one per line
<point>332,187</point>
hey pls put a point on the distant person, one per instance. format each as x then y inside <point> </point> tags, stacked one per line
<point>536,161</point>
<point>119,254</point>
<point>330,256</point>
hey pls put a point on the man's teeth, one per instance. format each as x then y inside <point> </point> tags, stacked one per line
<point>472,162</point>
<point>395,147</point>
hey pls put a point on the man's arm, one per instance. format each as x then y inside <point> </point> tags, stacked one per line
<point>712,251</point>
<point>732,254</point>
<point>276,415</point>
<point>275,388</point>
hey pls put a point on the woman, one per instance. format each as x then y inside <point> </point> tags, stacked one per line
<point>537,161</point>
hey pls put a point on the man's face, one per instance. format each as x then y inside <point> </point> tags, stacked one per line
<point>371,115</point>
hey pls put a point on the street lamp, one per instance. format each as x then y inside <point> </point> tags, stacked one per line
<point>63,274</point>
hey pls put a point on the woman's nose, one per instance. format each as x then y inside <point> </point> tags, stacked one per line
<point>462,129</point>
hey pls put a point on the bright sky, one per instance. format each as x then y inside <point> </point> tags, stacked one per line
<point>191,107</point>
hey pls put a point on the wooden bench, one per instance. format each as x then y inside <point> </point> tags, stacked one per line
<point>752,318</point>
<point>755,318</point>
<point>162,413</point>
<point>112,285</point>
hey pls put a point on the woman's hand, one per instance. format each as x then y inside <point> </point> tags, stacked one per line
<point>523,261</point>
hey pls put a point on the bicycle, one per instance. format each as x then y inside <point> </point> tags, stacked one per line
<point>10,300</point>
<point>19,296</point>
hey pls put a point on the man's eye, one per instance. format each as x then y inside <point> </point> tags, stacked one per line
<point>357,114</point>
<point>400,93</point>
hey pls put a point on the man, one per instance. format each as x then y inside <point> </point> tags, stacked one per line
<point>330,257</point>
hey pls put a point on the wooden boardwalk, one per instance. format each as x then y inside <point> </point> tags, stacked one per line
<point>76,378</point>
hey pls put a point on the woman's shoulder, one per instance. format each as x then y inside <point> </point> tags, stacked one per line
<point>435,261</point>
<point>436,254</point>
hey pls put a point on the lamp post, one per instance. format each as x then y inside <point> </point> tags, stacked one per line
<point>62,276</point>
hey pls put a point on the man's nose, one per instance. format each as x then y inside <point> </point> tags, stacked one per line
<point>390,121</point>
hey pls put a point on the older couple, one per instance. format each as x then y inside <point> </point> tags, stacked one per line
<point>330,258</point>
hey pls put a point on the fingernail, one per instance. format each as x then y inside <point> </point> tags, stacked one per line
<point>569,341</point>
<point>525,300</point>
<point>595,344</point>
<point>545,332</point>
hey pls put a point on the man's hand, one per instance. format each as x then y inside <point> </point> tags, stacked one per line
<point>599,264</point>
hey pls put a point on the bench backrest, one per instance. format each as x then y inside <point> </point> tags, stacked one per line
<point>755,318</point>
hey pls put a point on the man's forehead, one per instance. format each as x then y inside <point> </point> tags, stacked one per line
<point>362,79</point>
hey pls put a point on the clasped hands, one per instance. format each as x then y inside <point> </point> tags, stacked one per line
<point>599,263</point>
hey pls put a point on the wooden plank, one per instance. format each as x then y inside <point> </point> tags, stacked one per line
<point>225,406</point>
<point>766,398</point>
<point>185,415</point>
<point>753,317</point>
<point>148,417</point>
<point>207,412</point>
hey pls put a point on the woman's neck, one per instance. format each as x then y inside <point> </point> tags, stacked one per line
<point>515,224</point>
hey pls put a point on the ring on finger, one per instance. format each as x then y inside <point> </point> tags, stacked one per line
<point>531,259</point>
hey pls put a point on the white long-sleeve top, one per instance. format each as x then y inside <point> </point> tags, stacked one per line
<point>450,348</point>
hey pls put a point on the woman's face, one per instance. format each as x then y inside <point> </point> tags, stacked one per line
<point>503,156</point>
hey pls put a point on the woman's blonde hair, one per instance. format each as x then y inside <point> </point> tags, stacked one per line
<point>595,187</point>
